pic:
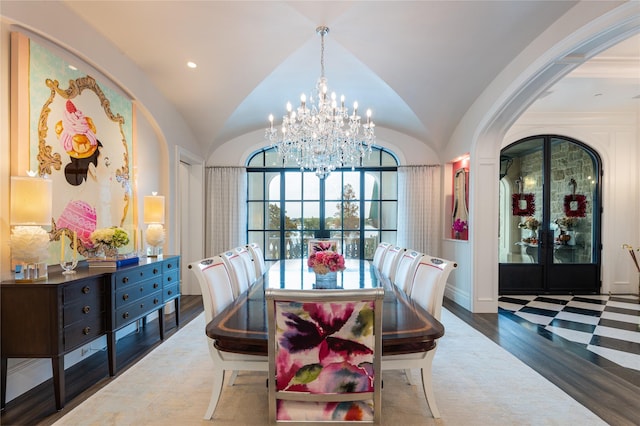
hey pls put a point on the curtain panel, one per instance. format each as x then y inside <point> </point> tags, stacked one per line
<point>419,208</point>
<point>226,209</point>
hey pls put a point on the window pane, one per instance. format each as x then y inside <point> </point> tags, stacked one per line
<point>292,214</point>
<point>293,245</point>
<point>333,218</point>
<point>350,214</point>
<point>311,186</point>
<point>256,215</point>
<point>333,186</point>
<point>271,159</point>
<point>256,186</point>
<point>388,159</point>
<point>388,236</point>
<point>351,245</point>
<point>371,241</point>
<point>311,211</point>
<point>389,215</point>
<point>292,186</point>
<point>257,160</point>
<point>256,237</point>
<point>352,179</point>
<point>372,186</point>
<point>272,250</point>
<point>372,215</point>
<point>372,160</point>
<point>273,186</point>
<point>389,185</point>
<point>274,216</point>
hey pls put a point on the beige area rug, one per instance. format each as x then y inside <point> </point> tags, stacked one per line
<point>476,383</point>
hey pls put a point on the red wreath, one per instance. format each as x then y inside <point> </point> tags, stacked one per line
<point>528,210</point>
<point>581,209</point>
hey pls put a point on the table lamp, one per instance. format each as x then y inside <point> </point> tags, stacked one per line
<point>31,208</point>
<point>154,218</point>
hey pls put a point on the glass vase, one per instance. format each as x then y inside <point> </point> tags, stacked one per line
<point>326,281</point>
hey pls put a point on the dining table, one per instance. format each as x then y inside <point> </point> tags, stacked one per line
<point>242,326</point>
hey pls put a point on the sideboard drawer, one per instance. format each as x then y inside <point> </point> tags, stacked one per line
<point>84,290</point>
<point>137,291</point>
<point>141,307</point>
<point>83,332</point>
<point>89,307</point>
<point>170,292</point>
<point>131,275</point>
<point>171,265</point>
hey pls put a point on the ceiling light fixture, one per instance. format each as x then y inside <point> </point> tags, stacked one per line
<point>321,135</point>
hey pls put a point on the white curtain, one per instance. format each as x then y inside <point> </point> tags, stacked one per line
<point>226,209</point>
<point>419,208</point>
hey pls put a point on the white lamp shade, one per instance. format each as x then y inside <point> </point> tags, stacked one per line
<point>31,201</point>
<point>153,209</point>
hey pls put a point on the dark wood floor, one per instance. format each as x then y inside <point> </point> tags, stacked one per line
<point>609,391</point>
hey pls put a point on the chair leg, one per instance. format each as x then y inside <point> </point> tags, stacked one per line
<point>407,373</point>
<point>218,379</point>
<point>428,386</point>
<point>232,379</point>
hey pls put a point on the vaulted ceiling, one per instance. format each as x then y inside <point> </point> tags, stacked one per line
<point>418,65</point>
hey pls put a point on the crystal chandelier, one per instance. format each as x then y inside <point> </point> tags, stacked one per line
<point>321,135</point>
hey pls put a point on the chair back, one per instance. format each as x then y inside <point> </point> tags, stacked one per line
<point>258,258</point>
<point>378,255</point>
<point>324,350</point>
<point>429,281</point>
<point>245,255</point>
<point>406,268</point>
<point>215,284</point>
<point>390,262</point>
<point>237,266</point>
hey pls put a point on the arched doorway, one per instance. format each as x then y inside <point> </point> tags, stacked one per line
<point>549,217</point>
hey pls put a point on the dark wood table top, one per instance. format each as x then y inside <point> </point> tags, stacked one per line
<point>242,326</point>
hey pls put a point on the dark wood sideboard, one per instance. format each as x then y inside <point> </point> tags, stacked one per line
<point>51,318</point>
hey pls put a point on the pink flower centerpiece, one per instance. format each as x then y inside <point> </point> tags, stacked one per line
<point>323,262</point>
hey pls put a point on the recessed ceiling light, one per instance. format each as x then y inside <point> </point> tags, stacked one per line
<point>191,64</point>
<point>71,67</point>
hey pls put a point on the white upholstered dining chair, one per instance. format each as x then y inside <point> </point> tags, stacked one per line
<point>406,268</point>
<point>237,266</point>
<point>215,282</point>
<point>427,289</point>
<point>390,262</point>
<point>258,258</point>
<point>378,255</point>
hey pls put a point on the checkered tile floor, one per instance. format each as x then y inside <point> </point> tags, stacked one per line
<point>608,326</point>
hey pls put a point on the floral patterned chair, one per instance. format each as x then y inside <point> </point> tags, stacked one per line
<point>324,355</point>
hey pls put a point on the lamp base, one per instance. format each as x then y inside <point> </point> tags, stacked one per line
<point>31,272</point>
<point>154,251</point>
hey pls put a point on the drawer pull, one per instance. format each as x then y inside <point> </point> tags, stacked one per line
<point>125,315</point>
<point>142,306</point>
<point>86,330</point>
<point>169,279</point>
<point>141,289</point>
<point>170,292</point>
<point>86,289</point>
<point>86,309</point>
<point>125,296</point>
<point>155,285</point>
<point>155,271</point>
<point>169,265</point>
<point>125,280</point>
<point>155,301</point>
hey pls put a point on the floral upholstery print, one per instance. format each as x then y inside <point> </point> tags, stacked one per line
<point>324,348</point>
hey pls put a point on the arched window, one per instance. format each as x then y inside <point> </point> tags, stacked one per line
<point>287,207</point>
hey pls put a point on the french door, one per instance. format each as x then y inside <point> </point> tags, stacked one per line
<point>549,217</point>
